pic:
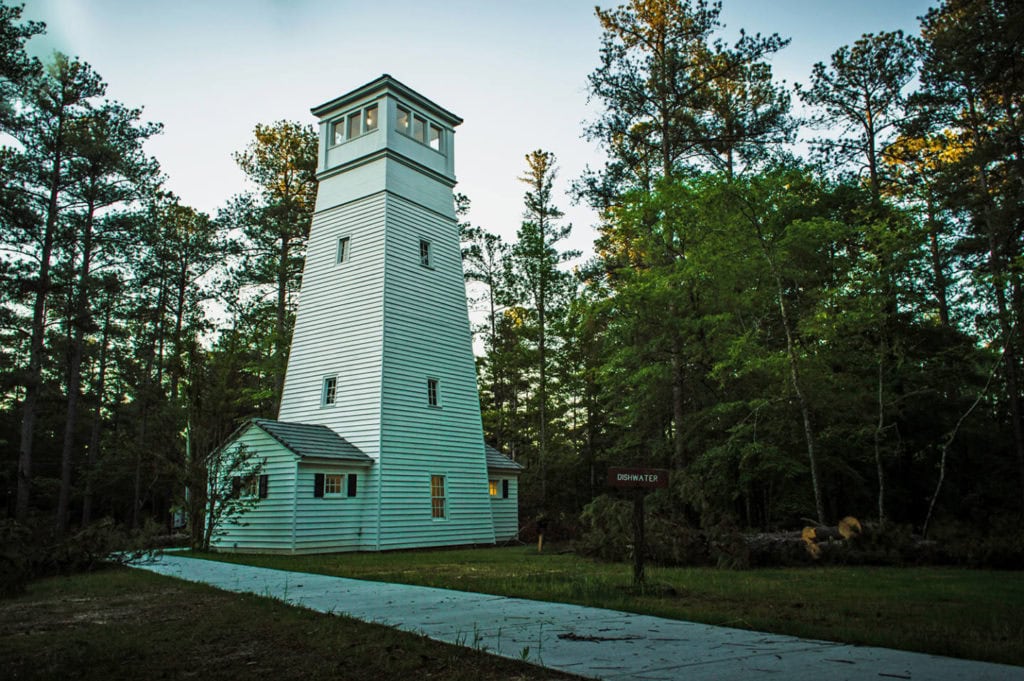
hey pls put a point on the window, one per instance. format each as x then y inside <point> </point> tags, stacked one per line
<point>332,483</point>
<point>419,129</point>
<point>434,140</point>
<point>249,487</point>
<point>342,255</point>
<point>493,487</point>
<point>437,496</point>
<point>330,391</point>
<point>424,252</point>
<point>353,125</point>
<point>433,393</point>
<point>402,120</point>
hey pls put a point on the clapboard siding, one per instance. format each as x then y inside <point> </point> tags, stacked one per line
<point>339,325</point>
<point>506,511</point>
<point>268,523</point>
<point>427,335</point>
<point>334,523</point>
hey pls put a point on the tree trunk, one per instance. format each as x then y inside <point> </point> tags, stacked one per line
<point>805,410</point>
<point>97,420</point>
<point>80,315</point>
<point>33,379</point>
<point>879,428</point>
<point>280,342</point>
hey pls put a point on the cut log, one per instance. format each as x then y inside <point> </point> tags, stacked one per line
<point>848,528</point>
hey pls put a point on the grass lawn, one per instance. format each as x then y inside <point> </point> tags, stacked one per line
<point>974,614</point>
<point>128,624</point>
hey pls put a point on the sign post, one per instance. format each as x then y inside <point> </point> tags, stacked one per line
<point>641,481</point>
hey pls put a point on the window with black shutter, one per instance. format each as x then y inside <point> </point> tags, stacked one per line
<point>318,485</point>
<point>263,485</point>
<point>351,484</point>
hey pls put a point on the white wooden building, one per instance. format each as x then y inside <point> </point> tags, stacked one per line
<point>379,443</point>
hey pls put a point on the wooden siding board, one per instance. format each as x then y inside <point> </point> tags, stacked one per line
<point>427,334</point>
<point>339,325</point>
<point>267,524</point>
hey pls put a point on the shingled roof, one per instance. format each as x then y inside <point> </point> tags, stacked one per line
<point>312,441</point>
<point>496,461</point>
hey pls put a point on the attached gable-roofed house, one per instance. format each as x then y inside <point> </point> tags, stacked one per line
<point>380,442</point>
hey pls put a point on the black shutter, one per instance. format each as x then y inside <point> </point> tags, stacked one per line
<point>504,489</point>
<point>264,482</point>
<point>236,487</point>
<point>318,485</point>
<point>351,484</point>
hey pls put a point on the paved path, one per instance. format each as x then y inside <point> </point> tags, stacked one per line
<point>591,642</point>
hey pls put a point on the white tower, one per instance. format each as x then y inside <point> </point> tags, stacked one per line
<point>382,350</point>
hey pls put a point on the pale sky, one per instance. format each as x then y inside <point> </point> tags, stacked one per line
<point>516,71</point>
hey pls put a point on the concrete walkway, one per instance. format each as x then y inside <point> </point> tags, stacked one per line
<point>590,642</point>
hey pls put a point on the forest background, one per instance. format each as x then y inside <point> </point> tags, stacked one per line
<point>795,336</point>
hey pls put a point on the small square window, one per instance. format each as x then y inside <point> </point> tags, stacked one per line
<point>330,391</point>
<point>371,118</point>
<point>402,120</point>
<point>342,255</point>
<point>332,483</point>
<point>424,252</point>
<point>419,129</point>
<point>492,485</point>
<point>433,392</point>
<point>437,509</point>
<point>435,138</point>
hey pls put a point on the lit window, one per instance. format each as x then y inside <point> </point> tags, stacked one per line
<point>437,496</point>
<point>402,122</point>
<point>332,483</point>
<point>435,138</point>
<point>342,255</point>
<point>433,398</point>
<point>419,129</point>
<point>354,124</point>
<point>330,391</point>
<point>424,252</point>
<point>493,486</point>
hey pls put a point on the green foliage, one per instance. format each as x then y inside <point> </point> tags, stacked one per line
<point>35,550</point>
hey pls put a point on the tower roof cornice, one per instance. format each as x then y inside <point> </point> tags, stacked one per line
<point>387,84</point>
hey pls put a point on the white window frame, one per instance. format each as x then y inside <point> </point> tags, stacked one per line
<point>340,492</point>
<point>329,389</point>
<point>429,126</point>
<point>426,254</point>
<point>344,249</point>
<point>341,123</point>
<point>438,501</point>
<point>433,392</point>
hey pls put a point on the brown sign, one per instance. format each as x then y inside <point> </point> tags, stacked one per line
<point>646,478</point>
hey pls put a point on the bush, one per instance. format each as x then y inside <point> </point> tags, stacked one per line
<point>607,533</point>
<point>34,550</point>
